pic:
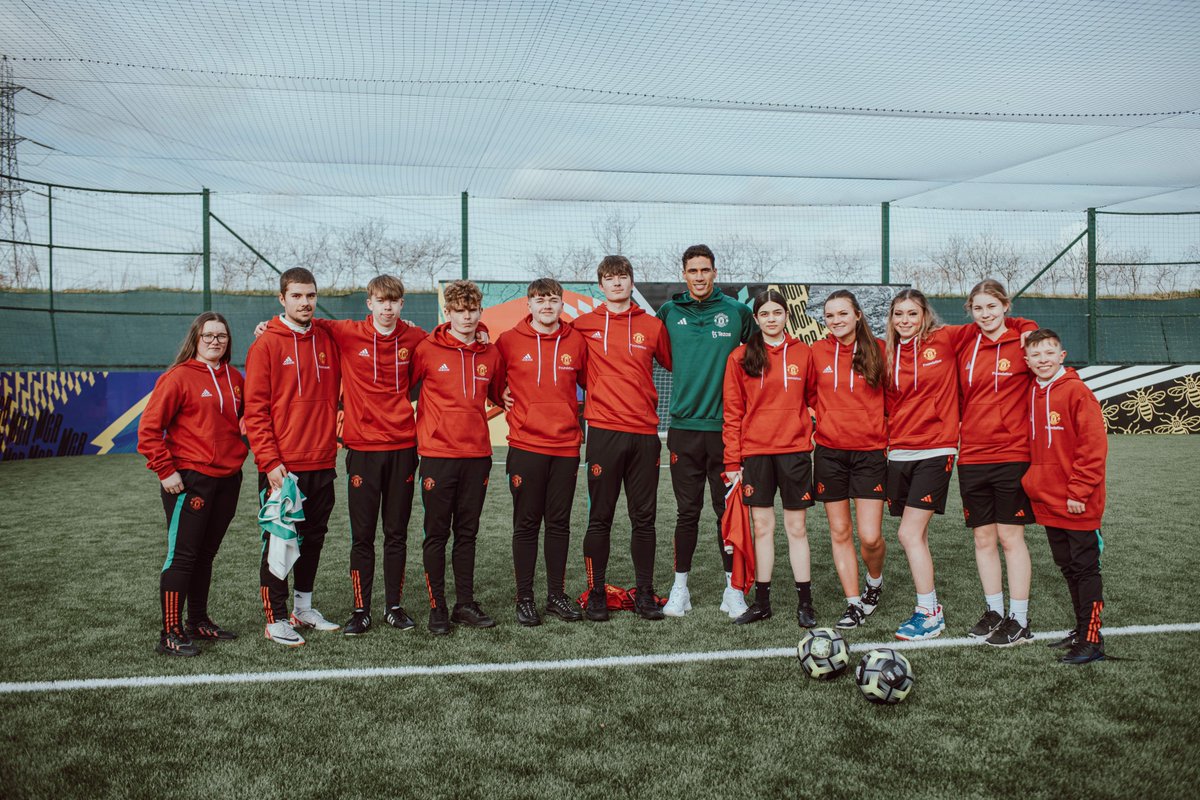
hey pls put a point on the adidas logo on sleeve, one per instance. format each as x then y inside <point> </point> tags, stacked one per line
<point>364,353</point>
<point>443,368</point>
<point>287,362</point>
<point>206,393</point>
<point>827,370</point>
<point>527,357</point>
<point>597,335</point>
<point>682,321</point>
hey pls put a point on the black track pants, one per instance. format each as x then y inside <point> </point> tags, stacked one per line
<point>452,490</point>
<point>197,519</point>
<point>317,488</point>
<point>616,458</point>
<point>697,457</point>
<point>379,481</point>
<point>1077,554</point>
<point>543,487</point>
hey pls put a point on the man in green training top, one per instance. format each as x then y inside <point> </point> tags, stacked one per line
<point>705,326</point>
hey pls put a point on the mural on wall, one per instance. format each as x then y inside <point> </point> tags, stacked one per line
<point>48,414</point>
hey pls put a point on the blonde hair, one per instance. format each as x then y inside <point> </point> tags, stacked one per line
<point>991,287</point>
<point>462,296</point>
<point>929,321</point>
<point>386,287</point>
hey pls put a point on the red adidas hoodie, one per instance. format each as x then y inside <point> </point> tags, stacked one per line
<point>542,370</point>
<point>767,415</point>
<point>921,397</point>
<point>849,410</point>
<point>456,378</point>
<point>292,385</point>
<point>375,383</point>
<point>1067,447</point>
<point>191,421</point>
<point>621,394</point>
<point>993,384</point>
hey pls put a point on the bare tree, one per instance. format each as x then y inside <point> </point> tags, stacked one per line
<point>839,264</point>
<point>752,260</point>
<point>572,263</point>
<point>614,231</point>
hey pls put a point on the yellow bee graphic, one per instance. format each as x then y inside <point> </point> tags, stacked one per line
<point>1177,424</point>
<point>1144,403</point>
<point>1188,390</point>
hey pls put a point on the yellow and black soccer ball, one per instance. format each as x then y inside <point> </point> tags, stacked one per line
<point>884,676</point>
<point>823,653</point>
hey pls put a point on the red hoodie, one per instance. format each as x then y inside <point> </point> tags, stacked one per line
<point>456,378</point>
<point>768,414</point>
<point>993,383</point>
<point>292,385</point>
<point>375,383</point>
<point>621,394</point>
<point>541,371</point>
<point>849,410</point>
<point>921,397</point>
<point>191,421</point>
<point>1067,448</point>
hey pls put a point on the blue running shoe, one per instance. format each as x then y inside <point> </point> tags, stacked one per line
<point>922,626</point>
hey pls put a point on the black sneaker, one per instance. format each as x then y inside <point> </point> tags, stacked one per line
<point>805,616</point>
<point>439,621</point>
<point>208,630</point>
<point>987,623</point>
<point>527,613</point>
<point>1083,652</point>
<point>870,598</point>
<point>755,613</point>
<point>471,615</point>
<point>175,642</point>
<point>398,618</point>
<point>597,606</point>
<point>854,616</point>
<point>360,623</point>
<point>645,605</point>
<point>563,607</point>
<point>1009,633</point>
<point>1065,643</point>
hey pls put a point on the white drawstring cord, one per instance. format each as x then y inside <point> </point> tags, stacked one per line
<point>212,374</point>
<point>296,352</point>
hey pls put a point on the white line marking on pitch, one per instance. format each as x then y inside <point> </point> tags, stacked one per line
<point>520,666</point>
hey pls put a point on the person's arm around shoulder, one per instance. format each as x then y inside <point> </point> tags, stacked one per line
<point>165,402</point>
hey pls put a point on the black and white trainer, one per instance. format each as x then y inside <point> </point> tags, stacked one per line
<point>176,642</point>
<point>870,598</point>
<point>399,619</point>
<point>360,623</point>
<point>1067,642</point>
<point>987,623</point>
<point>1009,634</point>
<point>853,617</point>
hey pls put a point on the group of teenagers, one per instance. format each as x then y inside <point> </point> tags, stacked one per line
<point>850,418</point>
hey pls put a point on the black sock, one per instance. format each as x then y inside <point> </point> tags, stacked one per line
<point>762,593</point>
<point>804,589</point>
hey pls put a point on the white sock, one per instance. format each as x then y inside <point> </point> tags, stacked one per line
<point>854,601</point>
<point>302,601</point>
<point>995,602</point>
<point>876,582</point>
<point>681,580</point>
<point>928,602</point>
<point>728,580</point>
<point>1020,610</point>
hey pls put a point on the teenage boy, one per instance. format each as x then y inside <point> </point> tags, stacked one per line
<point>292,376</point>
<point>622,437</point>
<point>380,435</point>
<point>1065,483</point>
<point>544,360</point>
<point>705,326</point>
<point>457,374</point>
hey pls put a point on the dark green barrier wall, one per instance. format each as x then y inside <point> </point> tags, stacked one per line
<point>143,330</point>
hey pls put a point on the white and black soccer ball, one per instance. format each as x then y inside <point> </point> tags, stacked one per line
<point>884,676</point>
<point>823,653</point>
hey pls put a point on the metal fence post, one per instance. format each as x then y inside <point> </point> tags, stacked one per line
<point>885,243</point>
<point>1092,304</point>
<point>465,272</point>
<point>50,260</point>
<point>207,252</point>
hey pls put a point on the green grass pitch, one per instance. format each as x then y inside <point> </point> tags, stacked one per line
<point>82,540</point>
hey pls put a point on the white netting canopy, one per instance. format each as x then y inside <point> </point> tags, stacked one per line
<point>965,104</point>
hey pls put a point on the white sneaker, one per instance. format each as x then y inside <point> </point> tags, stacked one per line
<point>679,603</point>
<point>283,633</point>
<point>733,602</point>
<point>311,618</point>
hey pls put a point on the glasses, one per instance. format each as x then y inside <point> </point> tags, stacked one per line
<point>219,338</point>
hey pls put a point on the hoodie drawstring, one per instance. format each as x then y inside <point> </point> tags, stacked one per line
<point>296,352</point>
<point>374,358</point>
<point>213,374</point>
<point>554,363</point>
<point>539,349</point>
<point>974,355</point>
<point>316,365</point>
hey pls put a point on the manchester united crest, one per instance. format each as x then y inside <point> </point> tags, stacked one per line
<point>639,338</point>
<point>402,354</point>
<point>929,353</point>
<point>356,481</point>
<point>565,359</point>
<point>196,503</point>
<point>428,484</point>
<point>481,370</point>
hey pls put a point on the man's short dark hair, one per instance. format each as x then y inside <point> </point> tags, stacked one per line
<point>614,265</point>
<point>295,275</point>
<point>1042,335</point>
<point>698,251</point>
<point>545,287</point>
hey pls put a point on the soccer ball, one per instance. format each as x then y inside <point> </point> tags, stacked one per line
<point>884,676</point>
<point>823,653</point>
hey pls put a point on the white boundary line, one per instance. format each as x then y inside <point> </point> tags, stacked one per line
<point>152,681</point>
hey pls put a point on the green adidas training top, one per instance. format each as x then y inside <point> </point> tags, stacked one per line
<point>703,334</point>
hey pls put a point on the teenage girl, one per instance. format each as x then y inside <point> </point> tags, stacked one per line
<point>845,388</point>
<point>767,435</point>
<point>994,383</point>
<point>190,436</point>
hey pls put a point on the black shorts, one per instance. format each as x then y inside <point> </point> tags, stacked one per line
<point>843,474</point>
<point>920,484</point>
<point>992,494</point>
<point>791,473</point>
